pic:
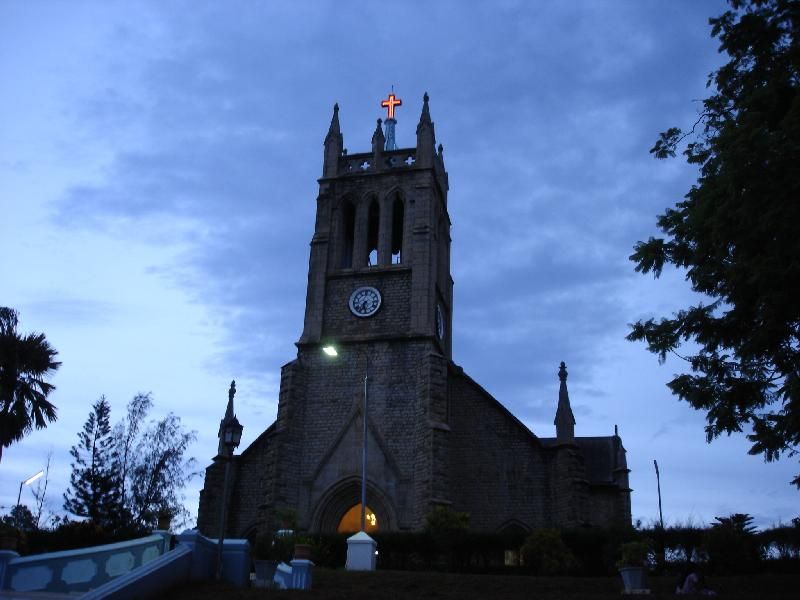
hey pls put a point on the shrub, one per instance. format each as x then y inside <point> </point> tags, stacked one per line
<point>443,520</point>
<point>638,553</point>
<point>732,545</point>
<point>545,553</point>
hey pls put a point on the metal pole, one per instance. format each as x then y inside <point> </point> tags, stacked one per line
<point>364,458</point>
<point>222,517</point>
<point>19,497</point>
<point>658,483</point>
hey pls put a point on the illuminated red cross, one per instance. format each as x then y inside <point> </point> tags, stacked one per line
<point>390,103</point>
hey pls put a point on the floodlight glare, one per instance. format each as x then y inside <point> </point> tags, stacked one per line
<point>330,350</point>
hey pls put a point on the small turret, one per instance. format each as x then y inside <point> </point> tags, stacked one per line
<point>334,144</point>
<point>378,142</point>
<point>426,138</point>
<point>229,425</point>
<point>565,420</point>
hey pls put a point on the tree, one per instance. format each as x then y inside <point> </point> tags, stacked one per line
<point>151,463</point>
<point>26,362</point>
<point>94,484</point>
<point>160,471</point>
<point>40,491</point>
<point>21,518</point>
<point>736,236</point>
<point>732,545</point>
<point>125,435</point>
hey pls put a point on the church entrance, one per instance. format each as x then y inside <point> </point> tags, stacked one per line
<point>339,509</point>
<point>351,521</point>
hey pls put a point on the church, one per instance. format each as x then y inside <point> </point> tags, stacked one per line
<point>378,327</point>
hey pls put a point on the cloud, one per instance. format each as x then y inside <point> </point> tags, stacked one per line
<point>544,147</point>
<point>214,144</point>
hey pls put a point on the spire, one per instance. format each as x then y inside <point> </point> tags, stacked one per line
<point>565,420</point>
<point>378,140</point>
<point>229,422</point>
<point>426,139</point>
<point>334,130</point>
<point>334,143</point>
<point>229,410</point>
<point>425,117</point>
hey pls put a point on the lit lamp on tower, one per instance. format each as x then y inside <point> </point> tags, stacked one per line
<point>230,434</point>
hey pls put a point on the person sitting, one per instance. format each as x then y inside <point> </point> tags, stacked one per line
<point>692,582</point>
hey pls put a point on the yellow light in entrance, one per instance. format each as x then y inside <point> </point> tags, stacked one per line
<point>351,521</point>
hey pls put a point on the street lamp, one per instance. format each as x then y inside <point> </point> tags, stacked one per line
<point>230,434</point>
<point>28,481</point>
<point>331,351</point>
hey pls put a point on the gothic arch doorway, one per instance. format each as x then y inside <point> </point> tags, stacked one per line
<point>351,521</point>
<point>343,500</point>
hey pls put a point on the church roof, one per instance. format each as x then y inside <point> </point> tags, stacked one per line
<point>602,456</point>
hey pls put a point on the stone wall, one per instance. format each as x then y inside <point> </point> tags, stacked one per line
<point>499,471</point>
<point>393,316</point>
<point>253,469</point>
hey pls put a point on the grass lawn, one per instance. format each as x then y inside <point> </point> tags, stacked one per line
<point>338,584</point>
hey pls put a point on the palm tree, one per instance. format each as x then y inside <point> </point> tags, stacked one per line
<point>25,362</point>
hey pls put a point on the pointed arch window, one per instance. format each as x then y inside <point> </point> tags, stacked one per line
<point>398,214</point>
<point>373,227</point>
<point>348,234</point>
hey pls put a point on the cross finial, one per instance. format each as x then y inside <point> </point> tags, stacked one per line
<point>390,103</point>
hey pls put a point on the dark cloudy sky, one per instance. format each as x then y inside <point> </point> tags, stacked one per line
<point>158,166</point>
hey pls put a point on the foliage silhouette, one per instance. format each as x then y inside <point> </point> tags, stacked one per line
<point>26,361</point>
<point>94,490</point>
<point>735,234</point>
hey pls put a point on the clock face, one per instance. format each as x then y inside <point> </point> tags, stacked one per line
<point>439,322</point>
<point>365,301</point>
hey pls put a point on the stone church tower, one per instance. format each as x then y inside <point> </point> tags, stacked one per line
<point>380,292</point>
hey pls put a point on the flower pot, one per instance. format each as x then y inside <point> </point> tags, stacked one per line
<point>265,572</point>
<point>302,551</point>
<point>634,578</point>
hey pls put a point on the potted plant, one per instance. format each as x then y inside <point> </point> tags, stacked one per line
<point>266,556</point>
<point>165,515</point>
<point>632,565</point>
<point>302,547</point>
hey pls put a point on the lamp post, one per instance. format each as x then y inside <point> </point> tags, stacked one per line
<point>658,483</point>
<point>331,351</point>
<point>361,548</point>
<point>28,481</point>
<point>230,434</point>
<point>662,549</point>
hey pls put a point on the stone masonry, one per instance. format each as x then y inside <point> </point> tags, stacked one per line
<point>435,437</point>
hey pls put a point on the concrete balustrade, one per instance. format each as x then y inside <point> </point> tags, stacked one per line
<point>126,570</point>
<point>78,570</point>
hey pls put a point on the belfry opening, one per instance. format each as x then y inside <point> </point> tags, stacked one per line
<point>351,520</point>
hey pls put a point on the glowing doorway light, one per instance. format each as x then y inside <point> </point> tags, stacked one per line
<point>351,520</point>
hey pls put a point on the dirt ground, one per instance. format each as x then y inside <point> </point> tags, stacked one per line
<point>408,585</point>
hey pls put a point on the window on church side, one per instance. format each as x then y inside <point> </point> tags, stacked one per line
<point>397,230</point>
<point>351,521</point>
<point>373,226</point>
<point>348,234</point>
